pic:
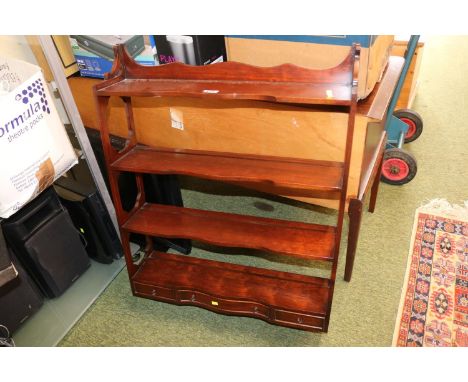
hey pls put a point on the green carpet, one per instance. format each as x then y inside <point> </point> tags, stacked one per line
<point>364,310</point>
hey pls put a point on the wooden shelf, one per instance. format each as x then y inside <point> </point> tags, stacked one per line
<point>307,241</point>
<point>277,297</point>
<point>317,94</point>
<point>232,80</point>
<point>306,177</point>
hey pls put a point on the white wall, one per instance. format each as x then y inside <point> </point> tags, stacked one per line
<point>17,47</point>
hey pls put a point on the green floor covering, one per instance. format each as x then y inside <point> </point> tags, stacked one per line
<point>364,310</point>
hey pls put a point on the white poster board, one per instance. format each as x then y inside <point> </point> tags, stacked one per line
<point>34,146</point>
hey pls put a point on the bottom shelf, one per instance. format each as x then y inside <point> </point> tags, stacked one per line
<point>280,298</point>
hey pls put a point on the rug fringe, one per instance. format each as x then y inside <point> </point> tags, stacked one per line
<point>445,208</point>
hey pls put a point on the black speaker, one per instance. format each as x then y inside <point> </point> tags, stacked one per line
<point>7,270</point>
<point>90,216</point>
<point>19,298</point>
<point>43,237</point>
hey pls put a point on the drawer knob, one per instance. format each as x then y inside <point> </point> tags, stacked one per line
<point>193,297</point>
<point>153,292</point>
<point>299,320</point>
<point>255,309</point>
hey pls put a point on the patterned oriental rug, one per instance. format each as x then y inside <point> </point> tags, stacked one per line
<point>434,302</point>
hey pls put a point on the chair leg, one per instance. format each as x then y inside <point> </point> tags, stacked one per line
<point>355,215</point>
<point>375,188</point>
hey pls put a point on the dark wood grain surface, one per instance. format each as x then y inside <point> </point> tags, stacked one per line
<point>282,298</point>
<point>231,80</point>
<point>303,240</point>
<point>125,66</point>
<point>226,288</point>
<point>317,94</point>
<point>300,174</point>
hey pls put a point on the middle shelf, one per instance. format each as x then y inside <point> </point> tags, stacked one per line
<point>302,240</point>
<point>300,176</point>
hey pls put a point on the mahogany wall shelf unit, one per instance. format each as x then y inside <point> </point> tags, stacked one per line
<point>286,130</point>
<point>281,298</point>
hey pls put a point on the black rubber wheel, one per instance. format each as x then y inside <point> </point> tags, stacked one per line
<point>399,167</point>
<point>414,122</point>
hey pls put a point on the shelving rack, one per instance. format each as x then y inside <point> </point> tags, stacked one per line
<point>287,299</point>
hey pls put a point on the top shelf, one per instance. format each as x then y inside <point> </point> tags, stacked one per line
<point>317,94</point>
<point>232,80</point>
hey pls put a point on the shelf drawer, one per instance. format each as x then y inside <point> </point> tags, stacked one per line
<point>223,305</point>
<point>226,306</point>
<point>154,292</point>
<point>298,320</point>
<point>280,298</point>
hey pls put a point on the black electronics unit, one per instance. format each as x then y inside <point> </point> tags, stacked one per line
<point>19,299</point>
<point>90,216</point>
<point>43,237</point>
<point>162,189</point>
<point>189,49</point>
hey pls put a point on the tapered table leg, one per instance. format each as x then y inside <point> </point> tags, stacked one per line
<point>375,188</point>
<point>355,215</point>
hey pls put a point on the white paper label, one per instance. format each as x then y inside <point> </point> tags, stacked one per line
<point>177,118</point>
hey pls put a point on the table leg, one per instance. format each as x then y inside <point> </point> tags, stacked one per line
<point>355,215</point>
<point>375,187</point>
